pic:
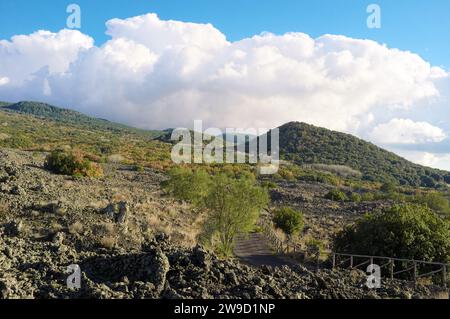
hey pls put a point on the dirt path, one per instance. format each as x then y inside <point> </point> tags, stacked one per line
<point>254,249</point>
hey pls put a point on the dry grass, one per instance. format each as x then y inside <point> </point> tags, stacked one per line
<point>55,227</point>
<point>118,197</point>
<point>4,209</point>
<point>76,228</point>
<point>153,221</point>
<point>115,158</point>
<point>280,234</point>
<point>106,229</point>
<point>108,242</point>
<point>443,294</point>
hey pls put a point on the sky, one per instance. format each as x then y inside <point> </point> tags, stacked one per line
<point>157,64</point>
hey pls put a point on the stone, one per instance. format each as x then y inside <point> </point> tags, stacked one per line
<point>58,238</point>
<point>123,212</point>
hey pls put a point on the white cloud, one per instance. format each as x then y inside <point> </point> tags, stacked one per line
<point>441,161</point>
<point>3,80</point>
<point>406,131</point>
<point>159,74</point>
<point>25,55</point>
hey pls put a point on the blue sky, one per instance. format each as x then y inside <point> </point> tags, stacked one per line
<point>420,26</point>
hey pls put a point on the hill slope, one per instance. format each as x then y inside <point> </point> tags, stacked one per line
<point>42,127</point>
<point>307,144</point>
<point>50,112</point>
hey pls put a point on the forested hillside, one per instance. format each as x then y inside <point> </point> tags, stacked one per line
<point>307,144</point>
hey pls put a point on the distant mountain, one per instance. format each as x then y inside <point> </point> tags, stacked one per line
<point>66,116</point>
<point>308,144</point>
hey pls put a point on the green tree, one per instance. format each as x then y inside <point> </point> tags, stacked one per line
<point>405,231</point>
<point>289,221</point>
<point>232,204</point>
<point>233,207</point>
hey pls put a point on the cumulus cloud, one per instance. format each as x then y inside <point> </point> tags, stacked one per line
<point>441,161</point>
<point>159,74</point>
<point>406,131</point>
<point>25,55</point>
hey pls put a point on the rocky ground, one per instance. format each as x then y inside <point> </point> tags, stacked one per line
<point>132,242</point>
<point>161,270</point>
<point>323,217</point>
<point>87,212</point>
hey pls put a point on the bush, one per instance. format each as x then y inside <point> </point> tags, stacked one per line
<point>404,231</point>
<point>72,163</point>
<point>269,184</point>
<point>368,197</point>
<point>427,181</point>
<point>336,195</point>
<point>433,200</point>
<point>355,197</point>
<point>289,221</point>
<point>188,185</point>
<point>388,188</point>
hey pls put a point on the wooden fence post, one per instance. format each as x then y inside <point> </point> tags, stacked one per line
<point>415,272</point>
<point>351,262</point>
<point>334,260</point>
<point>391,267</point>
<point>444,275</point>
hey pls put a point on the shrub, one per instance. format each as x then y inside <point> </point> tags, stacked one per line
<point>76,228</point>
<point>433,200</point>
<point>269,184</point>
<point>188,185</point>
<point>405,231</point>
<point>289,221</point>
<point>355,197</point>
<point>107,242</point>
<point>367,197</point>
<point>427,181</point>
<point>339,170</point>
<point>72,163</point>
<point>336,195</point>
<point>388,188</point>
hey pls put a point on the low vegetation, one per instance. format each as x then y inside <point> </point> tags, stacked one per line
<point>289,221</point>
<point>405,231</point>
<point>336,195</point>
<point>72,163</point>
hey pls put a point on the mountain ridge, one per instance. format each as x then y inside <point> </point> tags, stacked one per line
<point>301,143</point>
<point>64,115</point>
<point>308,144</point>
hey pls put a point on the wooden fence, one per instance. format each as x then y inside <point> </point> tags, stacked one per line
<point>415,268</point>
<point>397,268</point>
